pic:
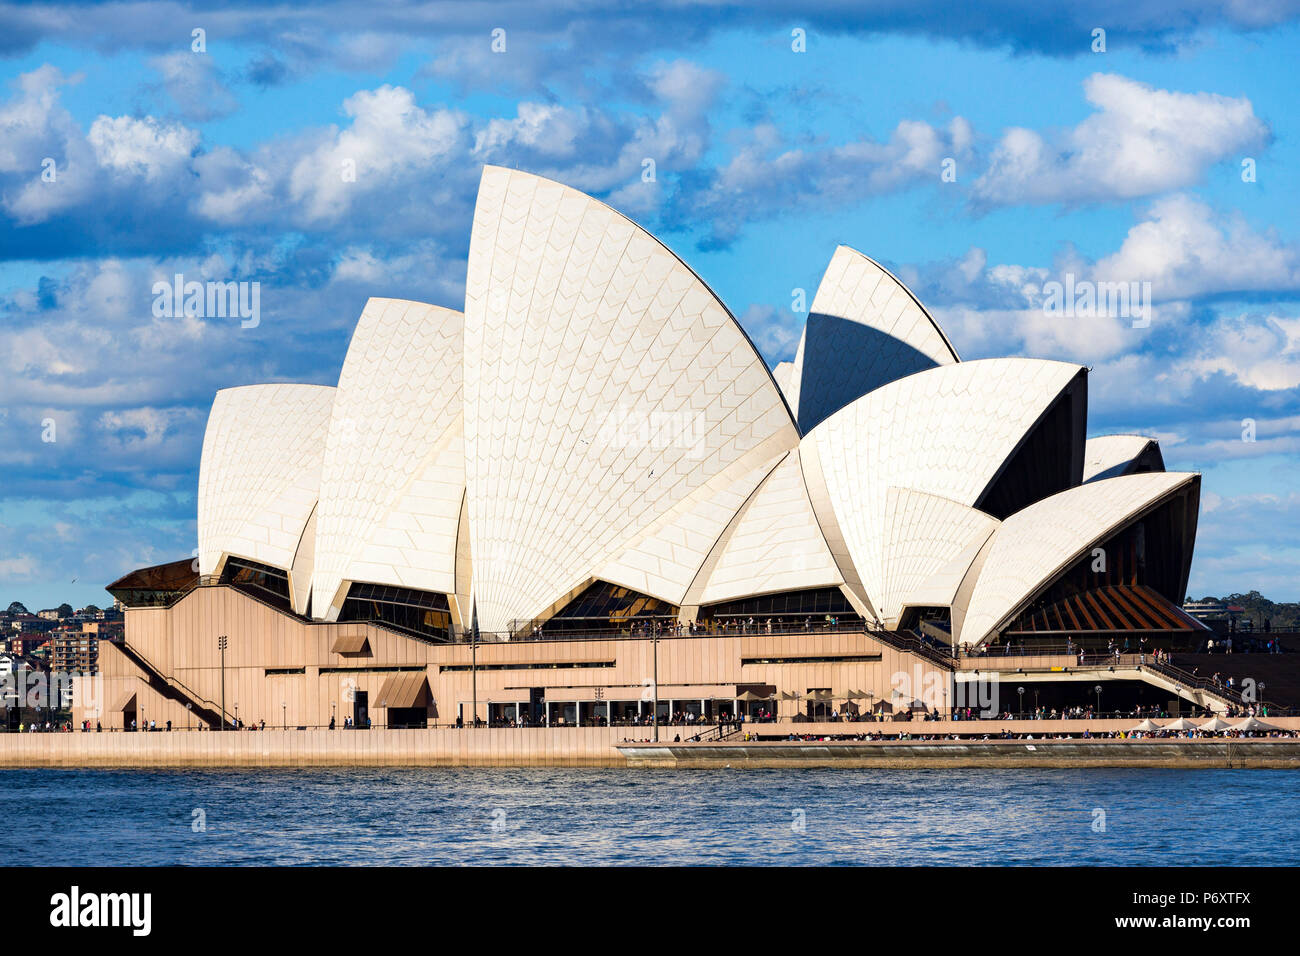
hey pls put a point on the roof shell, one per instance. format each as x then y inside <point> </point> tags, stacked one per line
<point>864,330</point>
<point>260,471</point>
<point>775,543</point>
<point>605,385</point>
<point>668,559</point>
<point>393,475</point>
<point>783,375</point>
<point>1033,546</point>
<point>1109,456</point>
<point>945,432</point>
<point>923,534</point>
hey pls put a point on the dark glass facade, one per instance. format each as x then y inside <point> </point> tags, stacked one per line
<point>423,614</point>
<point>605,607</point>
<point>787,608</point>
<point>260,580</point>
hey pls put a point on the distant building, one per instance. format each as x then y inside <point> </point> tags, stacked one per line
<point>26,643</point>
<point>76,650</point>
<point>1206,610</point>
<point>8,686</point>
<point>49,614</point>
<point>31,624</point>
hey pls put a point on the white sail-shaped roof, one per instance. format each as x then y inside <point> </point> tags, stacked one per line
<point>923,534</point>
<point>1034,546</point>
<point>940,588</point>
<point>864,330</point>
<point>947,432</point>
<point>783,374</point>
<point>259,476</point>
<point>1109,456</point>
<point>576,317</point>
<point>393,477</point>
<point>665,562</point>
<point>775,543</point>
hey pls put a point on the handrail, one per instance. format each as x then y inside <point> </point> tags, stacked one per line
<point>905,642</point>
<point>721,731</point>
<point>1208,684</point>
<point>177,684</point>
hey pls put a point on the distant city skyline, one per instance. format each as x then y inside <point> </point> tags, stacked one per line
<point>314,161</point>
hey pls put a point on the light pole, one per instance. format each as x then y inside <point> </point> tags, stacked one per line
<point>189,710</point>
<point>473,661</point>
<point>1021,705</point>
<point>236,715</point>
<point>1097,690</point>
<point>655,716</point>
<point>221,643</point>
<point>284,715</point>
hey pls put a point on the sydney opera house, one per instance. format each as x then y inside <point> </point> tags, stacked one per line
<point>587,493</point>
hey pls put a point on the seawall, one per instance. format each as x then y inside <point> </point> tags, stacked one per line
<point>1201,753</point>
<point>447,747</point>
<point>607,747</point>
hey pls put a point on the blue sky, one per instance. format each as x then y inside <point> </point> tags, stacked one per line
<point>224,164</point>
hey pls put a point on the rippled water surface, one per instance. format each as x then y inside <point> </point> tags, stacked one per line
<point>541,816</point>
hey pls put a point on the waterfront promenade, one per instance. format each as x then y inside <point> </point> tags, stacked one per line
<point>630,746</point>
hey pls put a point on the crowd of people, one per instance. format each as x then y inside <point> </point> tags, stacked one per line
<point>715,626</point>
<point>46,727</point>
<point>680,718</point>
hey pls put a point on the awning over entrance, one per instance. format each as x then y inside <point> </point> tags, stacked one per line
<point>405,690</point>
<point>351,644</point>
<point>126,702</point>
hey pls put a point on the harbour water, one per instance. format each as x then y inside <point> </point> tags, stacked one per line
<point>564,816</point>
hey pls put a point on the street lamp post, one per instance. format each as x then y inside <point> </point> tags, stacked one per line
<point>473,661</point>
<point>221,643</point>
<point>284,715</point>
<point>655,716</point>
<point>1097,690</point>
<point>1021,705</point>
<point>189,710</point>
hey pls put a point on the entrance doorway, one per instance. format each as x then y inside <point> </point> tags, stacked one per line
<point>361,709</point>
<point>406,718</point>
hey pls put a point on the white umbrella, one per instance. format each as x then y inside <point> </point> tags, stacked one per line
<point>1146,727</point>
<point>1215,724</point>
<point>1250,723</point>
<point>1182,723</point>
